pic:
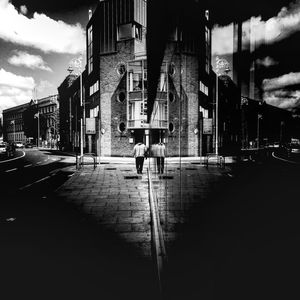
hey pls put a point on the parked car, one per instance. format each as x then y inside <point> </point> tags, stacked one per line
<point>10,149</point>
<point>19,144</point>
<point>3,148</point>
<point>29,145</point>
<point>295,148</point>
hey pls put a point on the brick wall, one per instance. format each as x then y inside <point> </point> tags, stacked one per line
<point>113,112</point>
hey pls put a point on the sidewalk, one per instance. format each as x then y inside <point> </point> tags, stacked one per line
<point>118,199</point>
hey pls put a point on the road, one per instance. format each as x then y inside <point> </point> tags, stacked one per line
<point>49,250</point>
<point>245,242</point>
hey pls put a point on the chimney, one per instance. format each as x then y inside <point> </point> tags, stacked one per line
<point>90,14</point>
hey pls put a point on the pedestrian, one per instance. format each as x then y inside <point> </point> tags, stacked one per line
<point>161,153</point>
<point>139,152</point>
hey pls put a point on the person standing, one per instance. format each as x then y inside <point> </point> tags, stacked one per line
<point>161,153</point>
<point>139,152</point>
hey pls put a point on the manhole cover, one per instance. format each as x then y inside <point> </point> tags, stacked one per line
<point>191,169</point>
<point>110,168</point>
<point>166,177</point>
<point>131,177</point>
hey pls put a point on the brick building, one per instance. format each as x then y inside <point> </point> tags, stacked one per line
<point>116,84</point>
<point>22,123</point>
<point>13,123</point>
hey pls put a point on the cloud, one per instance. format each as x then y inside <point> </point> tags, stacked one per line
<point>14,89</point>
<point>267,62</point>
<point>40,31</point>
<point>284,99</point>
<point>281,81</point>
<point>43,85</point>
<point>23,9</point>
<point>13,80</point>
<point>10,97</point>
<point>28,60</point>
<point>258,31</point>
<point>222,40</point>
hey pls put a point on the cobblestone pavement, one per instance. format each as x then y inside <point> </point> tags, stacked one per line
<point>118,199</point>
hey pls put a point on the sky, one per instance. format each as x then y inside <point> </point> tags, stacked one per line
<point>39,39</point>
<point>277,48</point>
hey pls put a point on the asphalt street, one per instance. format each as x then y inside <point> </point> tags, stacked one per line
<point>50,250</point>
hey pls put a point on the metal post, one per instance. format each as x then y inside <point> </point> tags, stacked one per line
<point>38,133</point>
<point>217,114</point>
<point>14,131</point>
<point>81,120</point>
<point>258,118</point>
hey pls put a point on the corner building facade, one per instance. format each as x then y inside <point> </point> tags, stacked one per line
<point>116,83</point>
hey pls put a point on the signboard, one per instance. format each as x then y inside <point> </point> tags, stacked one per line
<point>207,126</point>
<point>90,127</point>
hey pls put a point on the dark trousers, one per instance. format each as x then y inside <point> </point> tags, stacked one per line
<point>139,162</point>
<point>160,164</point>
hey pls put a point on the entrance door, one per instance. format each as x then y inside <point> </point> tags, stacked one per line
<point>139,136</point>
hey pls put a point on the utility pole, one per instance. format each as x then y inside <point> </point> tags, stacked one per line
<point>217,115</point>
<point>259,117</point>
<point>14,130</point>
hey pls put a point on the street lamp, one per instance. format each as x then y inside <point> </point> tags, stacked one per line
<point>217,115</point>
<point>77,63</point>
<point>14,130</point>
<point>259,117</point>
<point>37,115</point>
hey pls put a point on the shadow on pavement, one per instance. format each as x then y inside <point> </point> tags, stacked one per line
<point>244,242</point>
<point>51,251</point>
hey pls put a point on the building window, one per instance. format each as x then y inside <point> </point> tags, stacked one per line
<point>94,88</point>
<point>204,112</point>
<point>121,97</point>
<point>207,49</point>
<point>171,97</point>
<point>94,112</point>
<point>125,31</point>
<point>163,82</point>
<point>90,49</point>
<point>121,69</point>
<point>122,127</point>
<point>138,32</point>
<point>171,127</point>
<point>172,69</point>
<point>203,88</point>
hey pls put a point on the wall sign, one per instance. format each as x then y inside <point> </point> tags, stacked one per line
<point>90,127</point>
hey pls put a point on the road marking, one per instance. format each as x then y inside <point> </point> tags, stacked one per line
<point>285,160</point>
<point>30,184</point>
<point>26,166</point>
<point>4,161</point>
<point>14,169</point>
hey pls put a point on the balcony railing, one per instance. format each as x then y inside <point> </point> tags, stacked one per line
<point>155,124</point>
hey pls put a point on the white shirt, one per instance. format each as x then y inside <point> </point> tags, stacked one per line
<point>139,150</point>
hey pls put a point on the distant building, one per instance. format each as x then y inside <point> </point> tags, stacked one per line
<point>70,112</point>
<point>263,124</point>
<point>20,123</point>
<point>48,109</point>
<point>13,123</point>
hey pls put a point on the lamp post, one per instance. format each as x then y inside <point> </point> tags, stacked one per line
<point>14,130</point>
<point>259,117</point>
<point>217,115</point>
<point>77,63</point>
<point>37,115</point>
